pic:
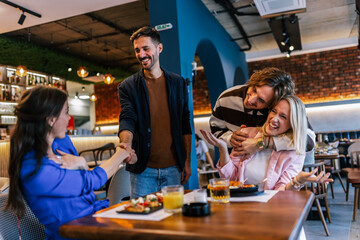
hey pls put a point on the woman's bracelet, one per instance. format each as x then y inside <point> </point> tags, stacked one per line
<point>296,184</point>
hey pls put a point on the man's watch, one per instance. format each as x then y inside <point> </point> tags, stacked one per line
<point>260,143</point>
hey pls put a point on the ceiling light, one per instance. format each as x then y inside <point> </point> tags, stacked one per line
<point>21,71</point>
<point>93,97</point>
<point>84,97</point>
<point>288,54</point>
<point>83,89</point>
<point>69,69</point>
<point>108,78</point>
<point>82,72</point>
<point>22,19</point>
<point>286,40</point>
<point>291,48</point>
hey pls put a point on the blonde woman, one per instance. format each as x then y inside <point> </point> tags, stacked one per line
<point>282,168</point>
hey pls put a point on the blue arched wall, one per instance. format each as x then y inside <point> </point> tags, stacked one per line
<point>196,30</point>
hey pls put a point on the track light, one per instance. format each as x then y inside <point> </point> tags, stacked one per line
<point>22,19</point>
<point>285,41</point>
<point>291,48</point>
<point>288,54</point>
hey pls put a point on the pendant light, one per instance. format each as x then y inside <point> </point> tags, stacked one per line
<point>93,97</point>
<point>21,71</point>
<point>82,71</point>
<point>108,78</point>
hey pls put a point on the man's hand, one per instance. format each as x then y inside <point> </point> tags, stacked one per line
<point>248,147</point>
<point>69,161</point>
<point>238,137</point>
<point>133,157</point>
<point>186,173</point>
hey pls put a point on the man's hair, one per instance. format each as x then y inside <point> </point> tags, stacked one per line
<point>279,80</point>
<point>146,32</point>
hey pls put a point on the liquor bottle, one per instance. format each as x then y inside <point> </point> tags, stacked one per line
<point>3,93</point>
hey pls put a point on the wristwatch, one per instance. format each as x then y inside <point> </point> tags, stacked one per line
<point>260,143</point>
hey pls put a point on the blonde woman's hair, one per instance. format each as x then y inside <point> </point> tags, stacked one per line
<point>298,121</point>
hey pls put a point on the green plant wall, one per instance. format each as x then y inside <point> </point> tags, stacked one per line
<point>14,52</point>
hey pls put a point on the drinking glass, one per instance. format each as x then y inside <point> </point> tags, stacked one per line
<point>173,198</point>
<point>219,190</point>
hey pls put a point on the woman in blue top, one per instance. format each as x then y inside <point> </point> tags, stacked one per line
<point>58,188</point>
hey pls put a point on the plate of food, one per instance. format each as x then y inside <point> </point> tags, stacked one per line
<point>144,205</point>
<point>238,189</point>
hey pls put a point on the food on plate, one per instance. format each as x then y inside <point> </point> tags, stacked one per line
<point>144,204</point>
<point>237,184</point>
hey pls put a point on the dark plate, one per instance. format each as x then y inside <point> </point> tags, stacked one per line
<point>243,192</point>
<point>152,209</point>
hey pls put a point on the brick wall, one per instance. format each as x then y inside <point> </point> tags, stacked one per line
<point>201,97</point>
<point>322,76</point>
<point>107,106</point>
<point>319,77</point>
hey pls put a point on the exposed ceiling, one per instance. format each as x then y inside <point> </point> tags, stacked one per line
<point>102,35</point>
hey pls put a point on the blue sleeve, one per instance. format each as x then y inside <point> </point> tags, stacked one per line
<point>128,114</point>
<point>65,144</point>
<point>51,180</point>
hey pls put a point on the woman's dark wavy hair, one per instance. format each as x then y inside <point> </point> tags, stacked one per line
<point>35,107</point>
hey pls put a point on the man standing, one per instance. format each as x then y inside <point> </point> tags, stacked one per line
<point>249,105</point>
<point>154,119</point>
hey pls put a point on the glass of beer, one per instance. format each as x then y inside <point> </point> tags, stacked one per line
<point>173,198</point>
<point>219,190</point>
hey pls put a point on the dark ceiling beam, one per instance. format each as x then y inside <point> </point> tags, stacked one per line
<point>87,39</point>
<point>250,36</point>
<point>229,7</point>
<point>246,6</point>
<point>109,23</point>
<point>87,35</point>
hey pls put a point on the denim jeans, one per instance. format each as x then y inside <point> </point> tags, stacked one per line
<point>152,179</point>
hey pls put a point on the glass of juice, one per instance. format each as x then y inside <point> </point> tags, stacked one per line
<point>219,190</point>
<point>173,198</point>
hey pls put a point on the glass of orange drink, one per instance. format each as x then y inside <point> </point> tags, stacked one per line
<point>173,198</point>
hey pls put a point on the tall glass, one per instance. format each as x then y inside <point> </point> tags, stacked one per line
<point>173,198</point>
<point>219,190</point>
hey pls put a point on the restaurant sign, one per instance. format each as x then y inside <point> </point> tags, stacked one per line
<point>165,26</point>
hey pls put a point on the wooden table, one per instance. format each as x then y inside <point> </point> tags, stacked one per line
<point>280,218</point>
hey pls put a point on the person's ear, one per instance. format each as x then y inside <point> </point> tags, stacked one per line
<point>160,47</point>
<point>51,121</point>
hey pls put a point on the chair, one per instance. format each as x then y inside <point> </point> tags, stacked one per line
<point>320,191</point>
<point>119,188</point>
<point>97,153</point>
<point>354,168</point>
<point>4,184</point>
<point>353,177</point>
<point>334,169</point>
<point>30,226</point>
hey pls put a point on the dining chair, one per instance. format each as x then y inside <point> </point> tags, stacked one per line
<point>354,159</point>
<point>320,191</point>
<point>97,153</point>
<point>334,169</point>
<point>30,226</point>
<point>119,188</point>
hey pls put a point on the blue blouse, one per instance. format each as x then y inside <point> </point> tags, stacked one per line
<point>57,195</point>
